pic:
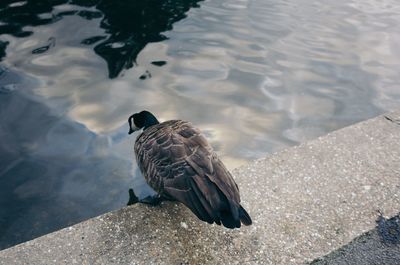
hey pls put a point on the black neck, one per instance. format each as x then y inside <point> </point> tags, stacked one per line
<point>150,121</point>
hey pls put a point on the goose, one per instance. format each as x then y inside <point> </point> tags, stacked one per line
<point>179,164</point>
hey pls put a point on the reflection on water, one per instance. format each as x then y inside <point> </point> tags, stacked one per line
<point>131,25</point>
<point>3,46</point>
<point>255,76</point>
<point>128,26</point>
<point>54,171</point>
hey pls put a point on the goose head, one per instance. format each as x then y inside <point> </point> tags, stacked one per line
<point>141,120</point>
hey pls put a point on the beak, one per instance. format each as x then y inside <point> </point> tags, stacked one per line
<point>130,131</point>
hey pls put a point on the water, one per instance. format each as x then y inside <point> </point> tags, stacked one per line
<point>255,75</point>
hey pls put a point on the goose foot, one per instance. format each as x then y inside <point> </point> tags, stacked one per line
<point>153,200</point>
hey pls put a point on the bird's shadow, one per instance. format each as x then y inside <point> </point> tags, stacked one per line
<point>389,229</point>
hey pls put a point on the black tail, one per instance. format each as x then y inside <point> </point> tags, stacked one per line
<point>207,201</point>
<point>219,208</point>
<point>231,220</point>
<point>244,216</point>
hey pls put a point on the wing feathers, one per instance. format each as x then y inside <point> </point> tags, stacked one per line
<point>177,161</point>
<point>205,200</point>
<point>182,190</point>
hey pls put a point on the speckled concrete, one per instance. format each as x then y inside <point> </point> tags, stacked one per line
<point>305,202</point>
<point>373,247</point>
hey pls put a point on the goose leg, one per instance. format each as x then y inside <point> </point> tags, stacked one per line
<point>151,200</point>
<point>132,198</point>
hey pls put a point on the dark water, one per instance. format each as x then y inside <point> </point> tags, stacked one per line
<point>255,75</point>
<point>54,170</point>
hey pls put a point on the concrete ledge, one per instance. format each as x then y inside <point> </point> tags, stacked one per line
<point>378,246</point>
<point>305,202</point>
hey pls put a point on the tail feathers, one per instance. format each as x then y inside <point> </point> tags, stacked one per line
<point>208,203</point>
<point>244,216</point>
<point>228,221</point>
<point>218,206</point>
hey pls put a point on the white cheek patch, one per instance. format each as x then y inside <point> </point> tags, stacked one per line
<point>132,125</point>
<point>134,128</point>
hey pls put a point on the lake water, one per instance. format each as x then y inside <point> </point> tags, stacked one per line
<point>255,75</point>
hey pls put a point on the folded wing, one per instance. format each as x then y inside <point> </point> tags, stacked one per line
<point>178,162</point>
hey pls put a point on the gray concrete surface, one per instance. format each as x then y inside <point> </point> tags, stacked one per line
<point>306,202</point>
<point>378,246</point>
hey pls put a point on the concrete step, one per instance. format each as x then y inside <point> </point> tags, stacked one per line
<point>306,202</point>
<point>378,246</point>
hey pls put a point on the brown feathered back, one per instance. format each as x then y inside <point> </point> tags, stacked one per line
<point>177,161</point>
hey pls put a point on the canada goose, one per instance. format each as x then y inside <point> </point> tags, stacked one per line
<point>179,164</point>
